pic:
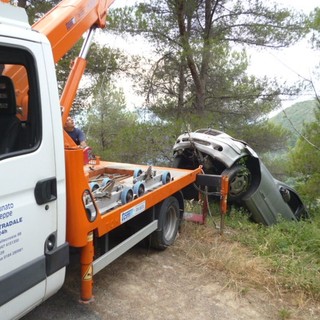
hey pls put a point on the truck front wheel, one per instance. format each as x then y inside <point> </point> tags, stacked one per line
<point>168,215</point>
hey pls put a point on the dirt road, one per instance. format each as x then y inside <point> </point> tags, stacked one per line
<point>154,285</point>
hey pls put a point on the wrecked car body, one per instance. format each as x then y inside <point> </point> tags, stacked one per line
<point>251,185</point>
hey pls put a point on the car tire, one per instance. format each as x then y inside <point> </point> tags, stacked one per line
<point>239,181</point>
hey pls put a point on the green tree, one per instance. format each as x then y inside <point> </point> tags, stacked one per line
<point>145,143</point>
<point>36,9</point>
<point>315,26</point>
<point>102,64</point>
<point>305,159</point>
<point>197,77</point>
<point>106,120</point>
<point>193,38</point>
<point>263,135</point>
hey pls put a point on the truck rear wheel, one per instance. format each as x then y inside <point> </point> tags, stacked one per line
<point>168,215</point>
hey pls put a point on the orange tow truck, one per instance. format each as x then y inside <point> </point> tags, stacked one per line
<point>53,194</point>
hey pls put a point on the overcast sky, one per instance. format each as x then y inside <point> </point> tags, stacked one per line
<point>293,63</point>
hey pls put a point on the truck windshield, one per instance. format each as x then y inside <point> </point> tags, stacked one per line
<point>20,127</point>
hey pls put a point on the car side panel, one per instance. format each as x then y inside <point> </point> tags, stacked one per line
<point>266,203</point>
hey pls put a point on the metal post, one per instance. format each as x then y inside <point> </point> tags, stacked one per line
<point>205,206</point>
<point>223,200</point>
<point>87,253</point>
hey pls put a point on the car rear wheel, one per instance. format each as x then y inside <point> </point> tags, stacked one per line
<point>239,181</point>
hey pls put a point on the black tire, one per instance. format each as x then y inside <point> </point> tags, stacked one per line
<point>168,215</point>
<point>239,182</point>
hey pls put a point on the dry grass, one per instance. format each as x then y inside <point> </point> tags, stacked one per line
<point>238,268</point>
<point>206,248</point>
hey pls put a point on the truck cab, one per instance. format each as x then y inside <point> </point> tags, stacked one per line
<point>33,247</point>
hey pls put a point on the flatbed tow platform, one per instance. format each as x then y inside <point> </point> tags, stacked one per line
<point>119,196</point>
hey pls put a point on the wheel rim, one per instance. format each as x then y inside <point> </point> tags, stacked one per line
<point>126,195</point>
<point>166,176</point>
<point>129,196</point>
<point>137,173</point>
<point>170,226</point>
<point>139,188</point>
<point>239,183</point>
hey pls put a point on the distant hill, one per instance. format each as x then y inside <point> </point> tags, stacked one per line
<point>299,113</point>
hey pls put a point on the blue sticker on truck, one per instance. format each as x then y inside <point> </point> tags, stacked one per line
<point>129,214</point>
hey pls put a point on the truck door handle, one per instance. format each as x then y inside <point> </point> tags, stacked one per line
<point>46,190</point>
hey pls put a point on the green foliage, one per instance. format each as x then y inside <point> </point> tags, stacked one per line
<point>116,134</point>
<point>196,77</point>
<point>305,159</point>
<point>231,99</point>
<point>106,120</point>
<point>277,164</point>
<point>315,26</point>
<point>102,64</point>
<point>144,143</point>
<point>294,118</point>
<point>284,314</point>
<point>263,136</point>
<point>291,249</point>
<point>36,9</point>
<point>285,165</point>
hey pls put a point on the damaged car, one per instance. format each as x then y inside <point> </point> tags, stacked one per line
<point>251,185</point>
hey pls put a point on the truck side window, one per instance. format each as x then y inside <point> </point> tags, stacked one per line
<point>20,125</point>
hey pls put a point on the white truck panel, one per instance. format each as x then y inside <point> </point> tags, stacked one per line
<point>25,225</point>
<point>14,16</point>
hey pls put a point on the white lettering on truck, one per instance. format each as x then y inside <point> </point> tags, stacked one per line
<point>129,214</point>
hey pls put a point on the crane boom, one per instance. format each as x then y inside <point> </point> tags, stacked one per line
<point>65,24</point>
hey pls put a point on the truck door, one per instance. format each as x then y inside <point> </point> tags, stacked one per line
<point>32,234</point>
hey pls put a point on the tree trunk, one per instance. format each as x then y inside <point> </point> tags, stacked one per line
<point>187,52</point>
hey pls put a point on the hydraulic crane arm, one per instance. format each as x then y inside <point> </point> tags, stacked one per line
<point>65,24</point>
